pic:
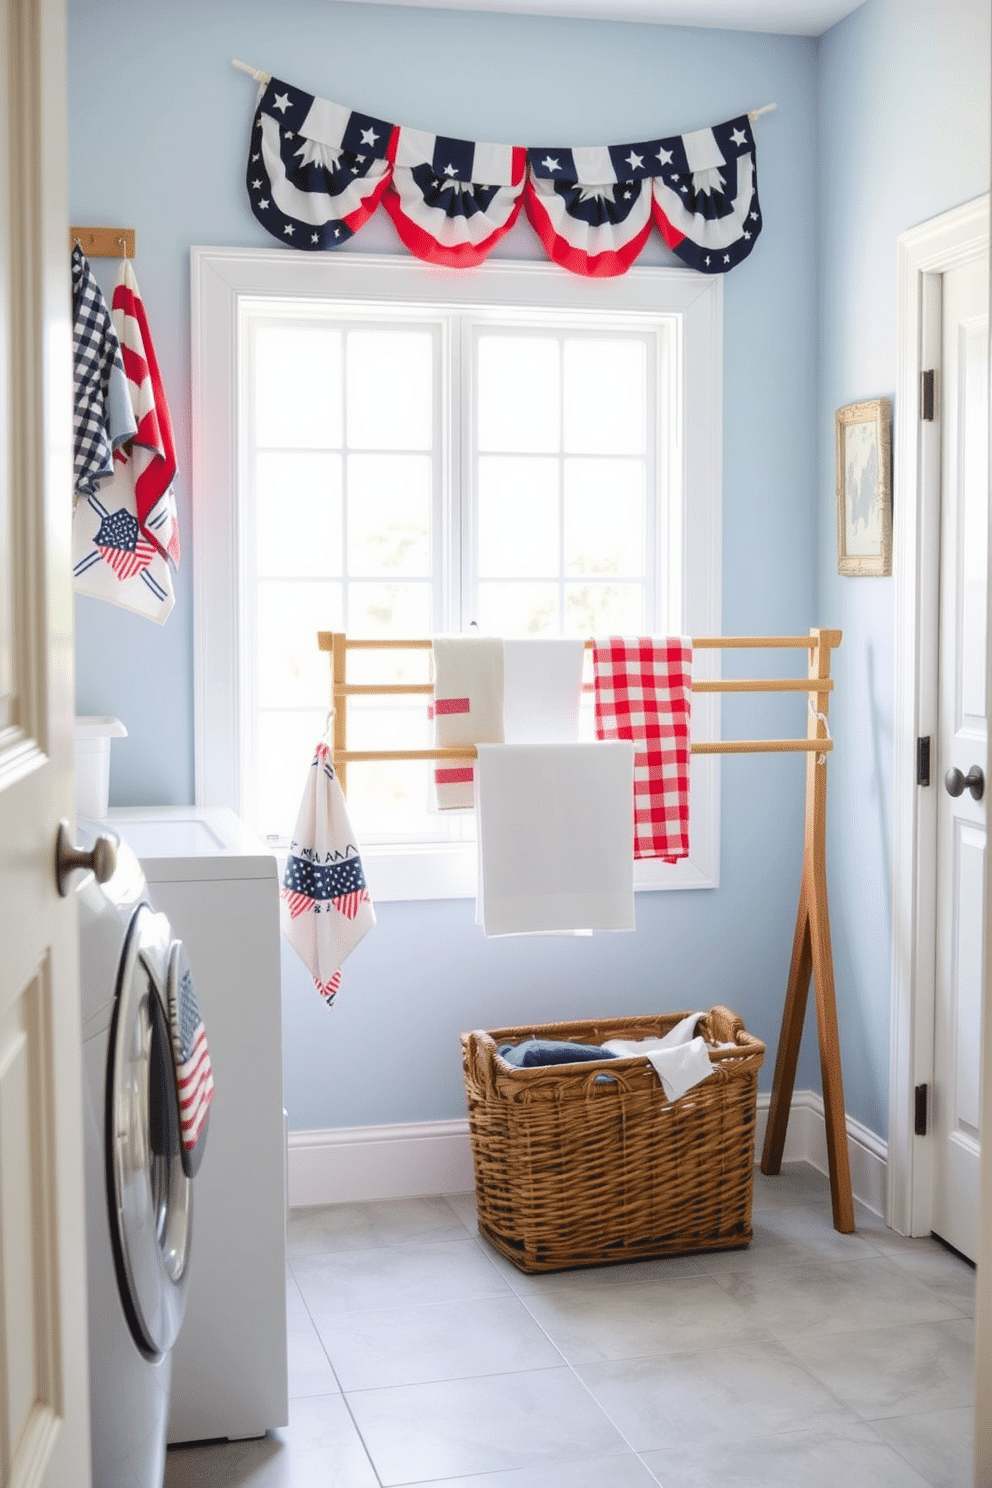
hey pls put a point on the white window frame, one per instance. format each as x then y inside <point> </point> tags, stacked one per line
<point>224,281</point>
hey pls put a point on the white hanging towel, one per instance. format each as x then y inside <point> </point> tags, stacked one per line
<point>680,1059</point>
<point>325,908</point>
<point>542,690</point>
<point>556,837</point>
<point>467,708</point>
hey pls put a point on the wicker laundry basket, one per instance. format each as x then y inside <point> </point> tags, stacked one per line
<point>571,1170</point>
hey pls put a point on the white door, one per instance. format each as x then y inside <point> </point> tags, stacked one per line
<point>961,746</point>
<point>44,1417</point>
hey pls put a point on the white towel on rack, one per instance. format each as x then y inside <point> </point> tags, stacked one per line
<point>468,709</point>
<point>556,837</point>
<point>680,1058</point>
<point>542,689</point>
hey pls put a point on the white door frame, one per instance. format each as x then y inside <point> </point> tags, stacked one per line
<point>925,252</point>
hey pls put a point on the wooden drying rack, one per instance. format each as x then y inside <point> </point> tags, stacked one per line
<point>812,956</point>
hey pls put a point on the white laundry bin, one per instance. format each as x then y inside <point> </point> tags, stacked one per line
<point>93,735</point>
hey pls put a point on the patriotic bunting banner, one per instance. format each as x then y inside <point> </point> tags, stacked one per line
<point>452,200</point>
<point>325,907</point>
<point>317,171</point>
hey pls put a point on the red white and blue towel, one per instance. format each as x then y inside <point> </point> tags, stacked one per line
<point>317,172</point>
<point>643,691</point>
<point>125,529</point>
<point>190,1057</point>
<point>325,907</point>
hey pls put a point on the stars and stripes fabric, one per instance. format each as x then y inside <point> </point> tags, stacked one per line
<point>451,199</point>
<point>642,692</point>
<point>153,449</point>
<point>126,531</point>
<point>113,558</point>
<point>190,1058</point>
<point>325,906</point>
<point>593,208</point>
<point>706,196</point>
<point>103,419</point>
<point>317,171</point>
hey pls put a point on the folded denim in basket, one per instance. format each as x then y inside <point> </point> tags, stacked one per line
<point>536,1051</point>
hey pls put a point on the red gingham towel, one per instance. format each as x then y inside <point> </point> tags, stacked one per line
<point>642,692</point>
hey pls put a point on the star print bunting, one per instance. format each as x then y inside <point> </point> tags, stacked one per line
<point>317,172</point>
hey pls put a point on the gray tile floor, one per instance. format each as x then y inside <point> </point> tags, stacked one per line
<point>418,1355</point>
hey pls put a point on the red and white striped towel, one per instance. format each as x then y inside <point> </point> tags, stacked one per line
<point>467,709</point>
<point>643,689</point>
<point>153,452</point>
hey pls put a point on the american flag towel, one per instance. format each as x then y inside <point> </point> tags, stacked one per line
<point>191,1059</point>
<point>102,416</point>
<point>325,908</point>
<point>642,691</point>
<point>153,453</point>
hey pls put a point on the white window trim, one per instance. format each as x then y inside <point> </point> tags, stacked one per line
<point>220,278</point>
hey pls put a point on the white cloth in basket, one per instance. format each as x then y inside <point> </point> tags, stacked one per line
<point>680,1058</point>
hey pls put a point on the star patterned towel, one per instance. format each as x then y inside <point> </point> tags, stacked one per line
<point>191,1058</point>
<point>102,418</point>
<point>642,690</point>
<point>325,908</point>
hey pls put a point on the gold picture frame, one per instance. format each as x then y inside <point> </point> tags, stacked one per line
<point>864,487</point>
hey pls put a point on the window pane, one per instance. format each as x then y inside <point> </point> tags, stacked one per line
<point>518,398</point>
<point>284,747</point>
<point>518,516</point>
<point>389,510</point>
<point>298,514</point>
<point>518,609</point>
<point>389,390</point>
<point>298,387</point>
<point>604,609</point>
<point>605,397</point>
<point>389,609</point>
<point>388,802</point>
<point>292,672</point>
<point>604,517</point>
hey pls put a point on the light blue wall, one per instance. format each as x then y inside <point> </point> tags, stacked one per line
<point>159,127</point>
<point>904,135</point>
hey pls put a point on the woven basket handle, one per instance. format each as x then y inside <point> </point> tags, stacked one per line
<point>479,1065</point>
<point>724,1025</point>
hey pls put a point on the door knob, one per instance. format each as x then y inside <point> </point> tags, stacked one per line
<point>955,782</point>
<point>101,860</point>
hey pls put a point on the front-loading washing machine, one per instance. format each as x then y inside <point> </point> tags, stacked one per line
<point>139,1181</point>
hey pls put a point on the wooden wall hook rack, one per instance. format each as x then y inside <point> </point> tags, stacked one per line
<point>103,242</point>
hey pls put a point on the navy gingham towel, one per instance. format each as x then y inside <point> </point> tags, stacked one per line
<point>102,416</point>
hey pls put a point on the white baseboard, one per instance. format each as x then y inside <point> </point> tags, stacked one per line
<point>349,1164</point>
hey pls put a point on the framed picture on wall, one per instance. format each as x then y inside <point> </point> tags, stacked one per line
<point>864,487</point>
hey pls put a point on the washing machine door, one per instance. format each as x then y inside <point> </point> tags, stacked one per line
<point>149,1194</point>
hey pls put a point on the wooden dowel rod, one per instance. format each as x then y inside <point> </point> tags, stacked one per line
<point>469,751</point>
<point>771,684</point>
<point>700,643</point>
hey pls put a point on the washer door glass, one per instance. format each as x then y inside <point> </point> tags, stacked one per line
<point>150,1197</point>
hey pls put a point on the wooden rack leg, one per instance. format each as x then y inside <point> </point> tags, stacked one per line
<point>793,1017</point>
<point>811,955</point>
